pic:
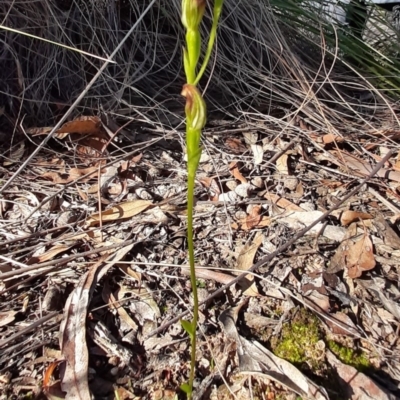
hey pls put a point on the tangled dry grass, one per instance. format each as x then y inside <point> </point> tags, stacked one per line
<point>260,63</point>
<point>293,128</point>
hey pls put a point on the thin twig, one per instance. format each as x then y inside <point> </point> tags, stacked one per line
<point>62,261</point>
<point>31,327</point>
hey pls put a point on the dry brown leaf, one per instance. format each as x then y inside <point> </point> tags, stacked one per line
<point>121,211</point>
<point>317,300</point>
<point>94,235</point>
<point>256,357</point>
<point>234,226</point>
<point>39,131</point>
<point>94,142</point>
<point>49,254</point>
<point>91,147</point>
<point>55,162</point>
<point>54,392</point>
<point>204,273</point>
<point>338,260</point>
<point>299,192</point>
<point>73,327</point>
<point>245,261</point>
<point>115,303</point>
<point>6,317</point>
<point>81,193</point>
<point>281,202</point>
<point>234,170</point>
<point>212,185</point>
<point>331,138</point>
<point>15,155</point>
<point>264,222</point>
<point>282,164</point>
<point>49,373</point>
<point>349,216</point>
<point>131,272</point>
<point>73,336</point>
<point>363,167</point>
<point>389,235</point>
<point>360,256</point>
<point>74,174</point>
<point>252,220</point>
<point>85,125</point>
<point>343,326</point>
<point>137,158</point>
<point>235,145</point>
<point>331,184</point>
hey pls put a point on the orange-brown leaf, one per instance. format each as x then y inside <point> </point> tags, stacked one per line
<point>49,373</point>
<point>330,138</point>
<point>360,257</point>
<point>235,145</point>
<point>49,254</point>
<point>281,202</point>
<point>121,211</point>
<point>234,170</point>
<point>86,125</point>
<point>74,173</point>
<point>349,216</point>
<point>252,220</point>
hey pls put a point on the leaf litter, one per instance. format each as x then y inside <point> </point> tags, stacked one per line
<point>132,320</point>
<point>118,302</point>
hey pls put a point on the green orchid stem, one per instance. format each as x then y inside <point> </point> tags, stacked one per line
<point>196,116</point>
<point>190,204</point>
<point>213,34</point>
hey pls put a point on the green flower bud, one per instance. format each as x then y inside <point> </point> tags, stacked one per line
<point>195,108</point>
<point>192,13</point>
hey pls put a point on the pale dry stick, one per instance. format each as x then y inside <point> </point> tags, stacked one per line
<point>331,170</point>
<point>78,100</point>
<point>31,327</point>
<point>68,236</point>
<point>62,261</point>
<point>99,190</point>
<point>395,210</point>
<point>265,260</point>
<point>6,28</point>
<point>41,233</point>
<point>14,262</point>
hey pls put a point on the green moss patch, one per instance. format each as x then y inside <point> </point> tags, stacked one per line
<point>349,356</point>
<point>298,341</point>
